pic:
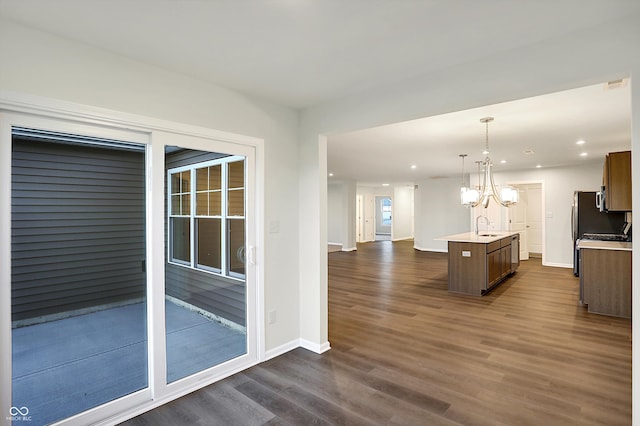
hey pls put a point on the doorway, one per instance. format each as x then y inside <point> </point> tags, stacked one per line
<point>384,218</point>
<point>78,317</point>
<point>527,218</point>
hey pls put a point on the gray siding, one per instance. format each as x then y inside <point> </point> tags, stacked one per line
<point>77,227</point>
<point>220,296</point>
<point>178,157</point>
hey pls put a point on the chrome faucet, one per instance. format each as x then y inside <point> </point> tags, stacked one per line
<point>478,220</point>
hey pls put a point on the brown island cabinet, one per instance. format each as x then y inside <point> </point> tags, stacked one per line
<point>478,263</point>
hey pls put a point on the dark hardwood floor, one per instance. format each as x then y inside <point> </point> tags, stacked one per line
<point>405,351</point>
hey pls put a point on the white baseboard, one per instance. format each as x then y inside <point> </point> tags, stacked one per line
<point>297,343</point>
<point>558,265</point>
<point>282,349</point>
<point>430,249</point>
<point>314,347</point>
<point>349,249</point>
<point>333,247</point>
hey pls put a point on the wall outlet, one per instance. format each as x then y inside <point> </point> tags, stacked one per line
<point>466,253</point>
<point>272,317</point>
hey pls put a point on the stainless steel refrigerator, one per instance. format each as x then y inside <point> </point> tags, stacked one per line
<point>586,218</point>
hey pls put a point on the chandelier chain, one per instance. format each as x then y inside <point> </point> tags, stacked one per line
<point>486,137</point>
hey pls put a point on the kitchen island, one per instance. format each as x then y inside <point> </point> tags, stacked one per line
<point>479,262</point>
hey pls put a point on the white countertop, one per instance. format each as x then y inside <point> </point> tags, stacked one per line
<point>483,237</point>
<point>604,245</point>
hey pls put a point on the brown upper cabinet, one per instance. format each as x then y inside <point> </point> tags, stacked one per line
<point>616,179</point>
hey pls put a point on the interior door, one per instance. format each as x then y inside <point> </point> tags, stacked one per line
<point>534,218</point>
<point>518,222</point>
<point>369,218</point>
<point>383,215</point>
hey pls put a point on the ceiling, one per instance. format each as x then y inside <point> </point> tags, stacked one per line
<point>542,131</point>
<point>305,52</point>
<point>302,53</point>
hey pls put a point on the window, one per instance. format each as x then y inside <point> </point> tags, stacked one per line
<point>386,211</point>
<point>207,216</point>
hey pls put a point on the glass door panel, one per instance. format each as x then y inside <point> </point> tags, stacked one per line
<point>205,296</point>
<point>78,281</point>
<point>237,255</point>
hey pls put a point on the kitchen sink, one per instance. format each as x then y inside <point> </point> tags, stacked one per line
<point>489,235</point>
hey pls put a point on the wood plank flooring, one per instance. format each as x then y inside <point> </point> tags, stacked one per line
<point>407,352</point>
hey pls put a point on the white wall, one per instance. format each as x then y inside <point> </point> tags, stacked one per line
<point>341,213</point>
<point>402,212</point>
<point>42,64</point>
<point>350,230</point>
<point>577,59</point>
<point>368,194</point>
<point>438,209</point>
<point>335,213</point>
<point>558,185</point>
<point>438,213</point>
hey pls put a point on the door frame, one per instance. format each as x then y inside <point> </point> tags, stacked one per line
<point>359,218</point>
<point>378,200</point>
<point>37,112</point>
<point>542,210</point>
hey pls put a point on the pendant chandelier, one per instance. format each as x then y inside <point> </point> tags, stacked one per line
<point>473,197</point>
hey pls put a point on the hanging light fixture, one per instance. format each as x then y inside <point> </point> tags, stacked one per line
<point>471,197</point>
<point>468,195</point>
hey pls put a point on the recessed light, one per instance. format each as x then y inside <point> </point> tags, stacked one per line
<point>330,174</point>
<point>503,161</point>
<point>584,154</point>
<point>413,166</point>
<point>538,166</point>
<point>385,184</point>
<point>580,142</point>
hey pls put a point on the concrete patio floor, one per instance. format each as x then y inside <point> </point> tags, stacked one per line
<point>64,367</point>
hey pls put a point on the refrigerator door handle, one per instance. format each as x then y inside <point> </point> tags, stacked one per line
<point>573,223</point>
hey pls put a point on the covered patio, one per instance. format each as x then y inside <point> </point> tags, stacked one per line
<point>64,367</point>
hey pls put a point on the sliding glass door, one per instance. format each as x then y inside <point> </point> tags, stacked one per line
<point>206,306</point>
<point>126,271</point>
<point>78,285</point>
